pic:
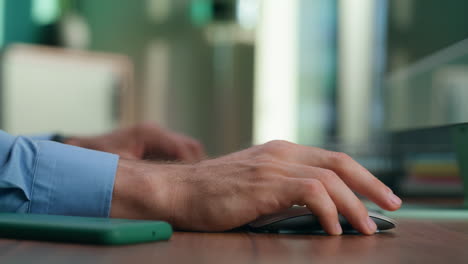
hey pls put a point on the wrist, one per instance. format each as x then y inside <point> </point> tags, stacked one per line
<point>140,191</point>
<point>126,193</point>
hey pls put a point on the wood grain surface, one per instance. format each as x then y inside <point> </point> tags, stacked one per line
<point>412,242</point>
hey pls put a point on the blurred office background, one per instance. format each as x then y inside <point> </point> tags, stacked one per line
<point>340,74</point>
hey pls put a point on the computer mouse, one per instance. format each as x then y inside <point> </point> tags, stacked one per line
<point>300,220</point>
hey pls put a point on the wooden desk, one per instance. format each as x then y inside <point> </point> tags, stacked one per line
<point>412,242</point>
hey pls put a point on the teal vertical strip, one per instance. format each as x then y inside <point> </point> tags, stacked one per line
<point>201,12</point>
<point>18,23</point>
<point>460,141</point>
<point>2,22</point>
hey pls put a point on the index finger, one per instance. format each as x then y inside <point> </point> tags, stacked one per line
<point>359,179</point>
<point>351,172</point>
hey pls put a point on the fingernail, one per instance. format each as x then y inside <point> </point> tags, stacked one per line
<point>395,199</point>
<point>371,224</point>
<point>337,230</point>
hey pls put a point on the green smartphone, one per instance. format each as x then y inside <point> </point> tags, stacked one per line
<point>87,230</point>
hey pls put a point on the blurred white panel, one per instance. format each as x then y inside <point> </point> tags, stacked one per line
<point>276,84</point>
<point>247,13</point>
<point>156,82</point>
<point>449,88</point>
<point>356,39</point>
<point>45,90</point>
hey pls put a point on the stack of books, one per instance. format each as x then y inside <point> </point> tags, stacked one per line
<point>432,174</point>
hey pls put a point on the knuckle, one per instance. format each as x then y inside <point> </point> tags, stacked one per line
<point>314,187</point>
<point>279,143</point>
<point>271,205</point>
<point>262,164</point>
<point>340,158</point>
<point>262,160</point>
<point>276,145</point>
<point>329,176</point>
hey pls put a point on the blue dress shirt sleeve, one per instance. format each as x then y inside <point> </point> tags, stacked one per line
<point>42,137</point>
<point>46,177</point>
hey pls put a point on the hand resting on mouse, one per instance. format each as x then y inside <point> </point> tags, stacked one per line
<point>233,190</point>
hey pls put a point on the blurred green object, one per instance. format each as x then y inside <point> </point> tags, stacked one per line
<point>201,12</point>
<point>432,214</point>
<point>45,12</point>
<point>86,230</point>
<point>424,211</point>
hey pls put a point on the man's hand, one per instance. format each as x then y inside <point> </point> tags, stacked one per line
<point>227,192</point>
<point>144,141</point>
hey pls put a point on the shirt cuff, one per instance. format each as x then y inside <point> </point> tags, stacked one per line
<point>72,181</point>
